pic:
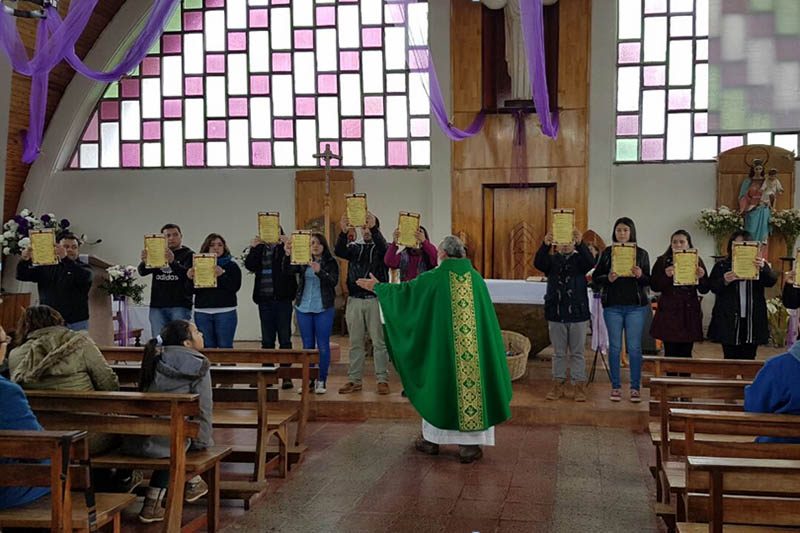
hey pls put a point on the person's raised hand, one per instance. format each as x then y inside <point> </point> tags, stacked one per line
<point>218,271</point>
<point>548,239</point>
<point>371,220</point>
<point>670,271</point>
<point>61,252</point>
<point>344,224</point>
<point>144,255</point>
<point>612,276</point>
<point>256,242</point>
<point>637,272</point>
<point>170,256</point>
<point>368,283</point>
<point>396,235</point>
<point>729,277</point>
<point>190,273</point>
<point>701,272</point>
<point>315,267</point>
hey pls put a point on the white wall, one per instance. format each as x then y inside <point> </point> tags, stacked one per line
<point>120,206</point>
<point>660,198</point>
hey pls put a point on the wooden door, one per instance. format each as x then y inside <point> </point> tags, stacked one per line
<point>309,199</point>
<point>516,219</point>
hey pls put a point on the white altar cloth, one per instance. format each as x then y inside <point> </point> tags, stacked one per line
<point>516,291</point>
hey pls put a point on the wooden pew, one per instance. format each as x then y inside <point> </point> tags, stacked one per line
<point>756,494</point>
<point>248,409</point>
<point>136,413</point>
<point>234,408</point>
<point>61,510</point>
<point>699,367</point>
<point>667,393</point>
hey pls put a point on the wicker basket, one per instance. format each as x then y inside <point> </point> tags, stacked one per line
<point>520,345</point>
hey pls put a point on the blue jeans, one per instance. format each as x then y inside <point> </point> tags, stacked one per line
<point>161,316</point>
<point>218,329</point>
<point>315,329</point>
<point>83,325</point>
<point>276,318</point>
<point>631,318</point>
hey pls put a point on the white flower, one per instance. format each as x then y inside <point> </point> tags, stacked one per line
<point>25,212</point>
<point>6,250</point>
<point>24,242</point>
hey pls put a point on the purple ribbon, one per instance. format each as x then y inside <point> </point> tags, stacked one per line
<point>532,22</point>
<point>55,41</point>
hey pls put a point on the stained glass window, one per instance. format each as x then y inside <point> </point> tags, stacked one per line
<point>662,86</point>
<point>268,83</point>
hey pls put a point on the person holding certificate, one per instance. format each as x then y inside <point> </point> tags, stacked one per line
<point>364,256</point>
<point>274,290</point>
<point>625,303</point>
<point>215,308</point>
<point>316,294</point>
<point>739,319</point>
<point>566,308</point>
<point>679,319</point>
<point>63,286</point>
<point>412,261</point>
<point>171,291</point>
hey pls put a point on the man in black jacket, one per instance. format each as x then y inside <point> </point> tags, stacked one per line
<point>171,291</point>
<point>63,286</point>
<point>365,257</point>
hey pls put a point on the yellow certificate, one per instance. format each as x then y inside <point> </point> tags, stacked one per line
<point>623,258</point>
<point>563,226</point>
<point>155,245</point>
<point>205,271</point>
<point>356,209</point>
<point>685,263</point>
<point>43,247</point>
<point>744,259</point>
<point>269,227</point>
<point>797,269</point>
<point>408,224</point>
<point>301,247</point>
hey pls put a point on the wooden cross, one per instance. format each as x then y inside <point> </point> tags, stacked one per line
<point>326,156</point>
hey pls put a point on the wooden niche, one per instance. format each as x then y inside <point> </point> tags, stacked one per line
<point>733,166</point>
<point>496,82</point>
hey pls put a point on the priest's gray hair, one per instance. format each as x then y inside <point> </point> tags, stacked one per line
<point>453,247</point>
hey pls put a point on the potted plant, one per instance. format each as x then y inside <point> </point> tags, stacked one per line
<point>786,222</point>
<point>719,223</point>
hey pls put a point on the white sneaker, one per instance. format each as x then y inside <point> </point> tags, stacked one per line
<point>319,387</point>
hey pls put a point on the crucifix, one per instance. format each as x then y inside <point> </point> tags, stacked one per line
<point>326,156</point>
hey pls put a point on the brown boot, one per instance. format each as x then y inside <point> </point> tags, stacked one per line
<point>426,446</point>
<point>469,454</point>
<point>349,387</point>
<point>580,391</point>
<point>557,391</point>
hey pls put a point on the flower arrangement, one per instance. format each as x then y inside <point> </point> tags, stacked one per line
<point>719,223</point>
<point>121,283</point>
<point>15,232</point>
<point>778,318</point>
<point>786,222</point>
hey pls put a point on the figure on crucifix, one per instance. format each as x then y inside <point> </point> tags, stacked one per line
<point>327,155</point>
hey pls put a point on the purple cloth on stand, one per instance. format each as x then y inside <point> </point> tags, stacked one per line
<point>599,331</point>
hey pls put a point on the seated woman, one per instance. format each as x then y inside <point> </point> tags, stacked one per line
<point>16,414</point>
<point>173,363</point>
<point>775,389</point>
<point>50,356</point>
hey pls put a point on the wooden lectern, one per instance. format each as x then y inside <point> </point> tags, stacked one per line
<point>100,317</point>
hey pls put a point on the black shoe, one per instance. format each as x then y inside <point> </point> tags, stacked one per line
<point>287,384</point>
<point>468,454</point>
<point>425,446</point>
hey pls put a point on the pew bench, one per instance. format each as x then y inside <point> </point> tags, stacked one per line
<point>671,392</point>
<point>741,495</point>
<point>698,367</point>
<point>142,414</point>
<point>62,510</point>
<point>729,435</point>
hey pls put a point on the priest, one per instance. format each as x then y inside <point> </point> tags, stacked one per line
<point>444,338</point>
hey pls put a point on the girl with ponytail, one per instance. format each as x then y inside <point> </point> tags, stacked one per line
<point>173,363</point>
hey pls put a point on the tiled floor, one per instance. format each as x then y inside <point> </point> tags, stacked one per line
<point>365,477</point>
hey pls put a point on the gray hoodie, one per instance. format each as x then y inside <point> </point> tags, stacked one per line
<point>184,371</point>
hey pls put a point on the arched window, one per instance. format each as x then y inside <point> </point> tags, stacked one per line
<point>267,83</point>
<point>662,85</point>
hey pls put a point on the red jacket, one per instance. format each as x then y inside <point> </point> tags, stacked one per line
<point>411,270</point>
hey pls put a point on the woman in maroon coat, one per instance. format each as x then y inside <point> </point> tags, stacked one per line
<point>679,319</point>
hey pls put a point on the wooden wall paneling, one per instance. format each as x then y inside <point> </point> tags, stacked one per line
<point>575,34</point>
<point>60,77</point>
<point>465,53</point>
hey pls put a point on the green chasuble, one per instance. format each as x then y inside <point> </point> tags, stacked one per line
<point>445,342</point>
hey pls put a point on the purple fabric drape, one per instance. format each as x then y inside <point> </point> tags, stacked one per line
<point>599,331</point>
<point>55,41</point>
<point>532,22</point>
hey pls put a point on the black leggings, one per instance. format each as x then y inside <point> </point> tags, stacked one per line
<point>740,351</point>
